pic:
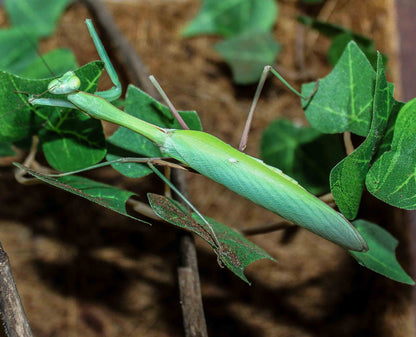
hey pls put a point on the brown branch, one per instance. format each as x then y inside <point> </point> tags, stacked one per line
<point>12,312</point>
<point>189,284</point>
<point>188,275</point>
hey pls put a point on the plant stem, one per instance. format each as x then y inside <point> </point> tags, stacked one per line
<point>349,147</point>
<point>14,318</point>
<point>188,276</point>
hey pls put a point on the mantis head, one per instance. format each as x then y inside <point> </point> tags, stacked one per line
<point>66,84</point>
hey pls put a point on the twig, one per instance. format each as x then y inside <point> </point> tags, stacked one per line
<point>188,275</point>
<point>349,147</point>
<point>12,312</point>
<point>189,284</point>
<point>324,15</point>
<point>142,208</point>
<point>327,198</point>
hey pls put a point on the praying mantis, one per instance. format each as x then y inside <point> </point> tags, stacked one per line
<point>248,176</point>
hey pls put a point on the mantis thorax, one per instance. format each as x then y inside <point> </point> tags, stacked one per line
<point>66,84</point>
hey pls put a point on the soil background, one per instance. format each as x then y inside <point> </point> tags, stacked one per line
<point>84,271</point>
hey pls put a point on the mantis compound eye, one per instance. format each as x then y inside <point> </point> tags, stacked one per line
<point>66,84</point>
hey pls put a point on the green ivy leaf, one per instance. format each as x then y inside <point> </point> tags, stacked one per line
<point>389,132</point>
<point>381,256</point>
<point>235,251</point>
<point>341,41</point>
<point>71,140</point>
<point>248,53</point>
<point>66,144</point>
<point>303,153</point>
<point>35,16</point>
<point>344,99</point>
<point>18,118</point>
<point>392,177</point>
<point>127,143</point>
<point>59,61</point>
<point>348,177</point>
<point>17,50</point>
<point>233,17</point>
<point>102,194</point>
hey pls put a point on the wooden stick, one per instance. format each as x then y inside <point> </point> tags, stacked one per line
<point>14,318</point>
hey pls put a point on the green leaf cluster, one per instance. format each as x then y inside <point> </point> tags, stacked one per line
<point>358,99</point>
<point>246,26</point>
<point>355,98</point>
<point>341,36</point>
<point>32,20</point>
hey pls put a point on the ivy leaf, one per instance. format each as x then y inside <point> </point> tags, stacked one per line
<point>16,50</point>
<point>66,145</point>
<point>127,143</point>
<point>35,16</point>
<point>102,194</point>
<point>18,118</point>
<point>303,153</point>
<point>381,256</point>
<point>233,17</point>
<point>341,41</point>
<point>389,132</point>
<point>247,54</point>
<point>344,99</point>
<point>71,140</point>
<point>58,60</point>
<point>392,176</point>
<point>235,251</point>
<point>348,177</point>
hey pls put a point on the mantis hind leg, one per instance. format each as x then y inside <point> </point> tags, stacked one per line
<point>266,70</point>
<point>115,92</point>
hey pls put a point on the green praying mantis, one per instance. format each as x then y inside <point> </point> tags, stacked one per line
<point>248,176</point>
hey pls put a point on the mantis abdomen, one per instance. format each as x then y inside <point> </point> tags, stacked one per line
<point>237,171</point>
<point>261,184</point>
